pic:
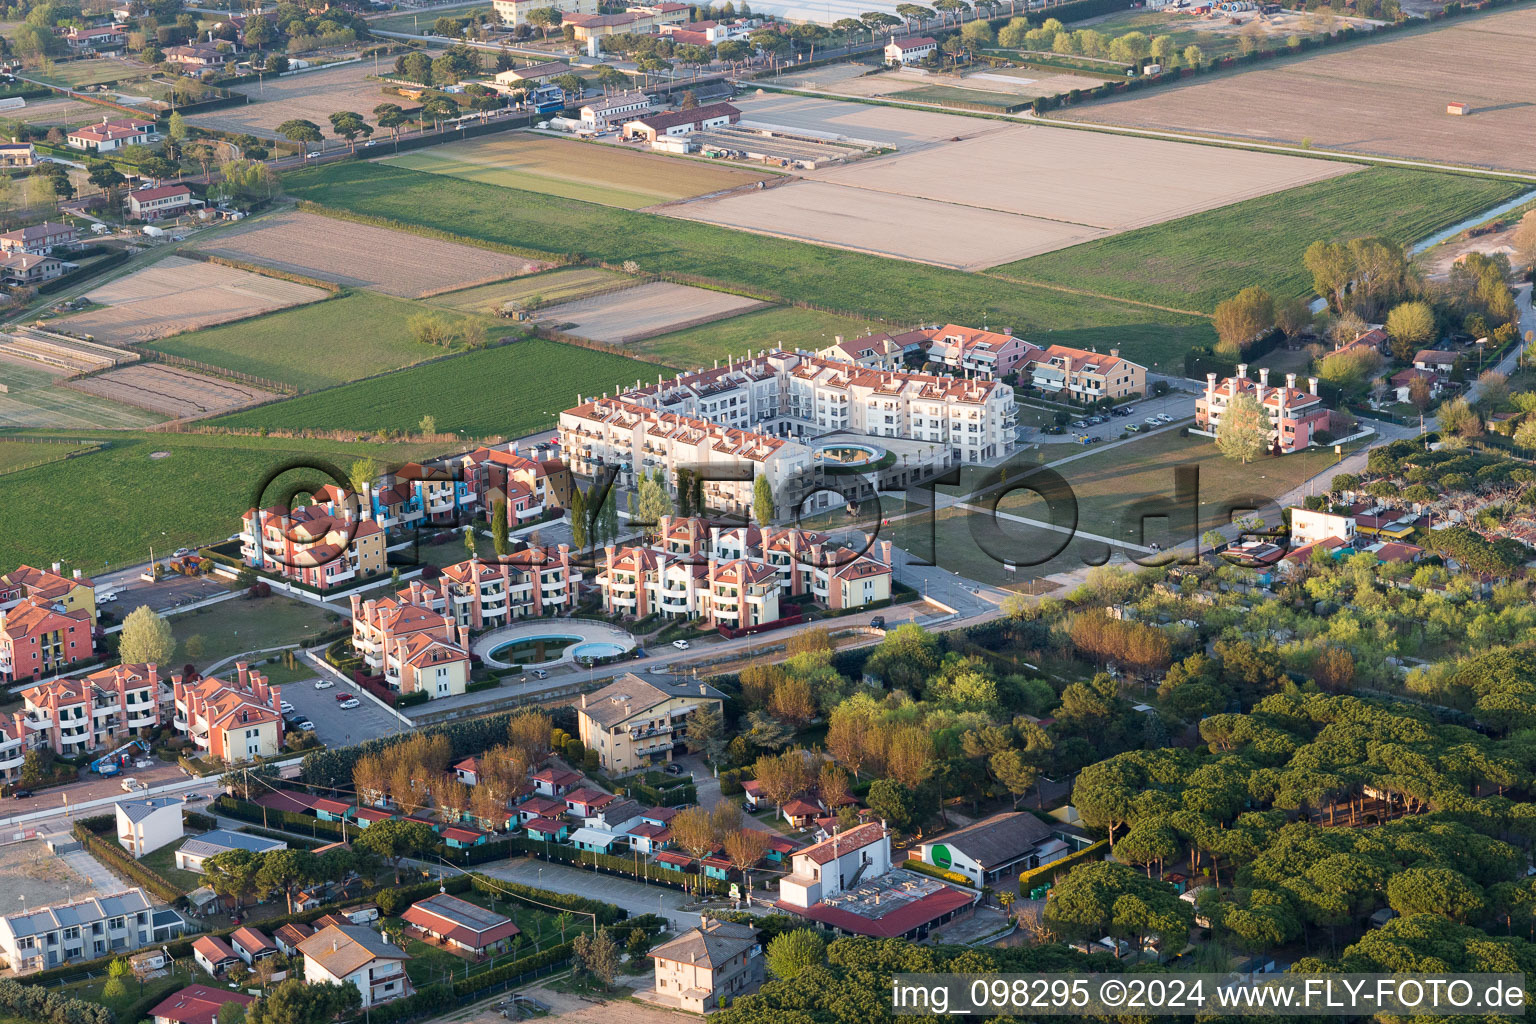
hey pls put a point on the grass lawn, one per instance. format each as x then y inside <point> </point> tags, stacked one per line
<point>35,400</point>
<point>95,72</point>
<point>15,455</point>
<point>317,345</point>
<point>564,284</point>
<point>240,625</point>
<point>420,22</point>
<point>91,990</point>
<point>786,327</point>
<point>510,390</point>
<point>1197,261</point>
<point>949,94</point>
<point>103,509</point>
<point>163,863</point>
<point>859,284</point>
<point>592,172</point>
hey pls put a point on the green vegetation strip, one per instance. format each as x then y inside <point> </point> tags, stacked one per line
<point>898,291</point>
<point>1197,261</point>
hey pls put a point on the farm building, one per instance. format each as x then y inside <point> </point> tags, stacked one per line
<point>1458,108</point>
<point>599,115</point>
<point>909,50</point>
<point>681,122</point>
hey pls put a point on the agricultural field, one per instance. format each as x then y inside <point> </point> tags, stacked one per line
<point>949,94</point>
<point>171,390</point>
<point>643,311</point>
<point>1198,261</point>
<point>506,391</point>
<point>124,491</point>
<point>36,399</point>
<point>178,294</point>
<point>312,96</point>
<point>562,285</point>
<point>857,284</point>
<point>56,110</point>
<point>420,22</point>
<point>1025,190</point>
<point>782,327</point>
<point>363,256</point>
<point>997,89</point>
<point>363,334</point>
<point>16,455</point>
<point>99,71</point>
<point>590,171</point>
<point>1398,86</point>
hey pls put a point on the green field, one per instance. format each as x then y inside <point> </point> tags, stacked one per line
<point>786,327</point>
<point>318,345</point>
<point>948,94</point>
<point>1197,261</point>
<point>34,400</point>
<point>896,290</point>
<point>242,625</point>
<point>510,390</point>
<point>104,509</point>
<point>421,22</point>
<point>16,455</point>
<point>95,72</point>
<point>561,285</point>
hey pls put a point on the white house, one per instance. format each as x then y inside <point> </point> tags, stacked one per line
<point>909,50</point>
<point>358,956</point>
<point>1308,527</point>
<point>143,826</point>
<point>602,114</point>
<point>195,851</point>
<point>827,868</point>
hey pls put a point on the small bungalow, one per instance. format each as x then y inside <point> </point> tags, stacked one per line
<point>547,829</point>
<point>213,954</point>
<point>468,771</point>
<point>460,924</point>
<point>752,790</point>
<point>365,816</point>
<point>461,838</point>
<point>594,840</point>
<point>800,813</point>
<point>716,866</point>
<point>674,861</point>
<point>539,807</point>
<point>584,803</point>
<point>780,848</point>
<point>288,937</point>
<point>649,838</point>
<point>555,781</point>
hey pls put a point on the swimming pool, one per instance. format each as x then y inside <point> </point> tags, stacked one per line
<point>533,650</point>
<point>596,650</point>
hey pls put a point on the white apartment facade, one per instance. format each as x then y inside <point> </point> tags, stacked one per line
<point>1309,527</point>
<point>35,940</point>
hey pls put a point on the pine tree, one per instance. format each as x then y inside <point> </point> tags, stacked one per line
<point>578,517</point>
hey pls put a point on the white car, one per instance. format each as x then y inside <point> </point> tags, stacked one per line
<point>129,785</point>
<point>349,703</point>
<point>1151,421</point>
<point>1163,417</point>
<point>182,553</point>
<point>681,645</point>
<point>287,707</point>
<point>323,684</point>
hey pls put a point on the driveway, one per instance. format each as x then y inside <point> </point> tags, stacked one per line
<point>634,896</point>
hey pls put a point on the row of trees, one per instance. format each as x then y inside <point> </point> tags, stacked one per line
<point>1131,48</point>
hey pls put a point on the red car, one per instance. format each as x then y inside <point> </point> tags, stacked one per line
<point>343,695</point>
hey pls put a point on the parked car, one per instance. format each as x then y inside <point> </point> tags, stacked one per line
<point>1151,421</point>
<point>878,622</point>
<point>22,794</point>
<point>350,703</point>
<point>323,684</point>
<point>1163,417</point>
<point>130,784</point>
<point>181,553</point>
<point>343,695</point>
<point>1134,428</point>
<point>306,726</point>
<point>681,645</point>
<point>192,798</point>
<point>286,707</point>
<point>107,598</point>
<point>539,673</point>
<point>674,769</point>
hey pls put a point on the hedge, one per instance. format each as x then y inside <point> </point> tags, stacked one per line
<point>1048,872</point>
<point>517,968</point>
<point>245,810</point>
<point>87,831</point>
<point>924,868</point>
<point>28,1002</point>
<point>606,913</point>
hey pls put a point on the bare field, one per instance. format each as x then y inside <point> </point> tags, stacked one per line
<point>888,224</point>
<point>1384,98</point>
<point>56,110</point>
<point>1024,190</point>
<point>29,868</point>
<point>35,399</point>
<point>644,311</point>
<point>565,285</point>
<point>311,96</point>
<point>170,390</point>
<point>888,126</point>
<point>363,256</point>
<point>178,294</point>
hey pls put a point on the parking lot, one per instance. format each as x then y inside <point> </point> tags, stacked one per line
<point>172,591</point>
<point>1151,413</point>
<point>335,726</point>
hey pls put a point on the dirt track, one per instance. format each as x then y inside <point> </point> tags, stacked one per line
<point>170,390</point>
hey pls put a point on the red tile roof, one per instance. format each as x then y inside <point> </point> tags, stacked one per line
<point>197,1004</point>
<point>898,922</point>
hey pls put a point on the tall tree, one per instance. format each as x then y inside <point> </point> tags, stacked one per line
<point>301,131</point>
<point>396,839</point>
<point>499,515</point>
<point>146,638</point>
<point>1243,433</point>
<point>1241,319</point>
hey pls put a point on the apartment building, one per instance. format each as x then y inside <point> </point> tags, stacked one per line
<point>237,720</point>
<point>73,592</point>
<point>872,351</point>
<point>531,485</point>
<point>94,712</point>
<point>161,201</point>
<point>990,355</point>
<point>835,577</point>
<point>358,956</point>
<point>737,593</point>
<point>143,826</point>
<point>515,12</point>
<point>35,940</point>
<point>1309,527</point>
<point>634,722</point>
<point>38,640</point>
<point>15,741</point>
<point>1294,416</point>
<point>319,545</point>
<point>39,239</point>
<point>718,958</point>
<point>529,581</point>
<point>1087,376</point>
<point>409,644</point>
<point>416,495</point>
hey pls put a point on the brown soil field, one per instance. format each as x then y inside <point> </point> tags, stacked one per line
<point>363,256</point>
<point>1385,98</point>
<point>170,390</point>
<point>311,96</point>
<point>177,295</point>
<point>644,311</point>
<point>27,867</point>
<point>888,126</point>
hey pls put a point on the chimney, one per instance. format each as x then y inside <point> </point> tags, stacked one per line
<point>1264,375</point>
<point>1242,370</point>
<point>583,700</point>
<point>1114,353</point>
<point>57,568</point>
<point>702,691</point>
<point>885,552</point>
<point>416,591</point>
<point>703,922</point>
<point>1210,383</point>
<point>242,672</point>
<point>1008,331</point>
<point>1312,385</point>
<point>1290,380</point>
<point>77,574</point>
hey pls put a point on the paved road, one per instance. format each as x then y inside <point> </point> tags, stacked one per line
<point>634,896</point>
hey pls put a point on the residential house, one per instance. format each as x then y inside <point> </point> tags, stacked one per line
<point>101,39</point>
<point>319,545</point>
<point>143,826</point>
<point>633,722</point>
<point>213,954</point>
<point>39,239</point>
<point>288,937</point>
<point>18,154</point>
<point>871,351</point>
<point>699,967</point>
<point>235,721</point>
<point>825,869</point>
<point>910,50</point>
<point>111,134</point>
<point>1437,361</point>
<point>197,1004</point>
<point>195,57</point>
<point>671,123</point>
<point>989,850</point>
<point>161,201</point>
<point>807,564</point>
<point>72,716</point>
<point>989,355</point>
<point>193,853</point>
<point>615,816</point>
<point>74,592</point>
<point>1087,376</point>
<point>528,581</point>
<point>252,945</point>
<point>25,269</point>
<point>555,780</point>
<point>459,924</point>
<point>413,648</point>
<point>84,929</point>
<point>359,956</point>
<point>1309,527</point>
<point>602,114</point>
<point>533,485</point>
<point>1294,416</point>
<point>1401,383</point>
<point>467,771</point>
<point>36,640</point>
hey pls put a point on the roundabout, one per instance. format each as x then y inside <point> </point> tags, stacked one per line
<point>543,643</point>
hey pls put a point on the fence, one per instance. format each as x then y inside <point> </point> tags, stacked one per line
<point>151,355</point>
